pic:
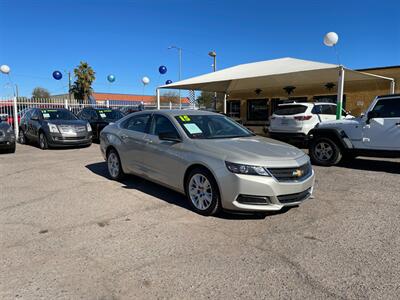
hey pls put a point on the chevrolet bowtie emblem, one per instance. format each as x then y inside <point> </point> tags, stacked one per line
<point>297,173</point>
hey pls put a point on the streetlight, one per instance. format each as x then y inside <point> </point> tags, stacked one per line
<point>180,70</point>
<point>5,69</point>
<point>213,54</point>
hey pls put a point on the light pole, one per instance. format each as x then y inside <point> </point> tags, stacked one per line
<point>213,54</point>
<point>180,70</point>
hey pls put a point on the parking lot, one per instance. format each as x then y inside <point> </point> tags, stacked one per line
<point>68,232</point>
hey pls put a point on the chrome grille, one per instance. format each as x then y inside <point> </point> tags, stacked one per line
<point>292,174</point>
<point>71,128</point>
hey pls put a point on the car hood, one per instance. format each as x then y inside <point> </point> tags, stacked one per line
<point>253,150</point>
<point>67,122</point>
<point>339,123</point>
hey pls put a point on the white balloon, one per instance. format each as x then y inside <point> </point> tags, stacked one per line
<point>145,80</point>
<point>5,69</point>
<point>331,39</point>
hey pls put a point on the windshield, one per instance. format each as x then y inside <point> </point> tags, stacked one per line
<point>109,114</point>
<point>211,127</point>
<point>57,114</point>
<point>290,110</point>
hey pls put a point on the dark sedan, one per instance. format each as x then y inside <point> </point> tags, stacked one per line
<point>54,128</point>
<point>99,118</point>
<point>7,137</point>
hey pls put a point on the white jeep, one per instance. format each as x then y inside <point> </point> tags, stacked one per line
<point>376,133</point>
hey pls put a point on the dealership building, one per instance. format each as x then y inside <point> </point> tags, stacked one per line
<point>254,91</point>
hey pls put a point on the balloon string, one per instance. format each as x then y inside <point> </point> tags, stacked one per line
<point>337,54</point>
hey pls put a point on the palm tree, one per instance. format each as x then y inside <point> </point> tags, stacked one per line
<point>82,87</point>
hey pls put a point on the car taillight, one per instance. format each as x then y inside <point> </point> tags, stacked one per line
<point>302,118</point>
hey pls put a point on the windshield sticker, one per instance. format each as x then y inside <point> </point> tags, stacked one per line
<point>103,115</point>
<point>49,110</point>
<point>46,115</point>
<point>192,128</point>
<point>184,118</point>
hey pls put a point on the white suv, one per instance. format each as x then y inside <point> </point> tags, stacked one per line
<point>375,133</point>
<point>293,121</point>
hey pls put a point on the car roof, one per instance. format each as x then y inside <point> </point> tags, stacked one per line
<point>179,112</point>
<point>306,103</point>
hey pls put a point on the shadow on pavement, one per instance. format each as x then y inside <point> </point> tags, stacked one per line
<point>172,197</point>
<point>374,165</point>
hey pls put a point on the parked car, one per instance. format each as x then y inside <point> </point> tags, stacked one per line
<point>126,110</point>
<point>212,159</point>
<point>99,118</point>
<point>375,133</point>
<point>54,128</point>
<point>7,137</point>
<point>293,121</point>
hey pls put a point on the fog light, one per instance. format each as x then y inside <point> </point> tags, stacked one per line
<point>253,200</point>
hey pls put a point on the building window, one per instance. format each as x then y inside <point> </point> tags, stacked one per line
<point>233,108</point>
<point>257,109</point>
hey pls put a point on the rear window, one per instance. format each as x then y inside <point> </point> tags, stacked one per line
<point>290,110</point>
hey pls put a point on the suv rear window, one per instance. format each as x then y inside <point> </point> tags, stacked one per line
<point>290,110</point>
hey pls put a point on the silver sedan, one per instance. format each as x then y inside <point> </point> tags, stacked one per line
<point>216,162</point>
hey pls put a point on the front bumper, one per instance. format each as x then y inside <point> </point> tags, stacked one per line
<point>62,140</point>
<point>273,195</point>
<point>7,140</point>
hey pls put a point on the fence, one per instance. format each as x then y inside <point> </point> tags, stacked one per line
<point>17,106</point>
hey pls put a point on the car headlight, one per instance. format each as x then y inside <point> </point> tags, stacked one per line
<point>53,128</point>
<point>246,169</point>
<point>88,127</point>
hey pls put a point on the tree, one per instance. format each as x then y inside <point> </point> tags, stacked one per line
<point>82,87</point>
<point>170,96</point>
<point>39,92</point>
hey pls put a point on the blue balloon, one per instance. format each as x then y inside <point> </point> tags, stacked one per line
<point>111,78</point>
<point>168,81</point>
<point>162,69</point>
<point>57,75</point>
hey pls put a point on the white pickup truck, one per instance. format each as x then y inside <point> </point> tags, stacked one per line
<point>376,133</point>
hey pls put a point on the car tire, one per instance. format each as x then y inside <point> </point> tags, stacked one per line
<point>12,149</point>
<point>43,144</point>
<point>202,192</point>
<point>325,152</point>
<point>114,165</point>
<point>21,137</point>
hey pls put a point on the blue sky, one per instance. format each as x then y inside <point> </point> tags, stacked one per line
<point>130,38</point>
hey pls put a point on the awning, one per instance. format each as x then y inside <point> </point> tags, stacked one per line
<point>270,74</point>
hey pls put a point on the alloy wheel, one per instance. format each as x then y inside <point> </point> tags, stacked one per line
<point>113,165</point>
<point>323,151</point>
<point>200,192</point>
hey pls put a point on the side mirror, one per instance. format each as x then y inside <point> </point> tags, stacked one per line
<point>169,136</point>
<point>372,115</point>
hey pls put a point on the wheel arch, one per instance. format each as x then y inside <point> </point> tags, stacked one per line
<point>336,135</point>
<point>200,166</point>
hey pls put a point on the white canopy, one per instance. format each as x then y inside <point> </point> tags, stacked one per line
<point>270,74</point>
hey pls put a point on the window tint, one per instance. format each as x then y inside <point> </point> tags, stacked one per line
<point>137,123</point>
<point>35,114</point>
<point>327,109</point>
<point>388,108</point>
<point>161,124</point>
<point>290,110</point>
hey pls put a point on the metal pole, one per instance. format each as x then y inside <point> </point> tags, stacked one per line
<point>16,126</point>
<point>158,98</point>
<point>339,101</point>
<point>16,91</point>
<point>392,86</point>
<point>225,103</point>
<point>180,75</point>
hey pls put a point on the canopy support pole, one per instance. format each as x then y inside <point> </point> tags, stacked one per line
<point>339,104</point>
<point>392,86</point>
<point>158,98</point>
<point>224,103</point>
